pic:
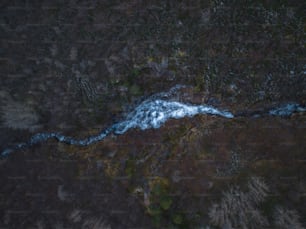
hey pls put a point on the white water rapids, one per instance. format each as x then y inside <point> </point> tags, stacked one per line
<point>152,113</point>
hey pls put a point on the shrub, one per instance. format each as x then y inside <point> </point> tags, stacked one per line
<point>284,218</point>
<point>239,209</point>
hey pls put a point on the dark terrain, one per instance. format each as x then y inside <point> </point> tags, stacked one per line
<point>77,67</point>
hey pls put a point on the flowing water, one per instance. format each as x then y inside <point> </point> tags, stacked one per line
<point>154,112</point>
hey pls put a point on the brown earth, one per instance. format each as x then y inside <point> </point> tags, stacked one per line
<point>78,67</point>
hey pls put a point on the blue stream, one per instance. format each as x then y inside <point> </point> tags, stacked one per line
<point>152,113</point>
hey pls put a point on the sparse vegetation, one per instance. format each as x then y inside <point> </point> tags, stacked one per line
<point>233,166</point>
<point>17,115</point>
<point>77,66</point>
<point>239,209</point>
<point>285,219</point>
<point>95,223</point>
<point>87,221</point>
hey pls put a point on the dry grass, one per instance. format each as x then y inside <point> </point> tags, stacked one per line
<point>239,209</point>
<point>17,115</point>
<point>284,219</point>
<point>88,222</point>
<point>95,223</point>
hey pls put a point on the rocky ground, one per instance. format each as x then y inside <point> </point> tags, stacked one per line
<point>78,66</point>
